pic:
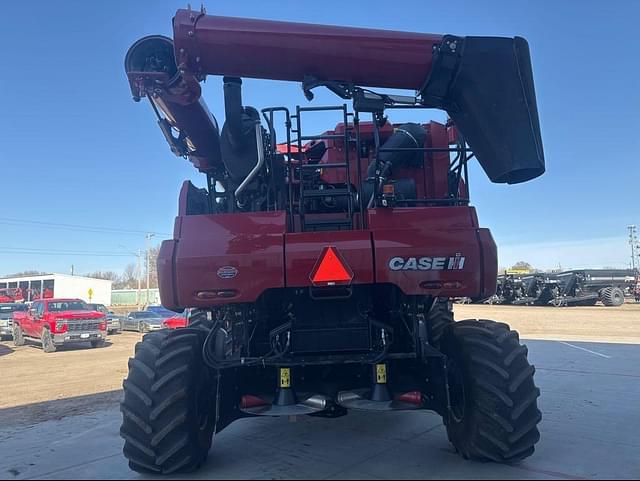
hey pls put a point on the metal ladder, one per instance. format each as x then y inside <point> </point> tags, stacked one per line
<point>307,194</point>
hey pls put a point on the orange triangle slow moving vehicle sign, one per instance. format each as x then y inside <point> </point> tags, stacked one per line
<point>331,269</point>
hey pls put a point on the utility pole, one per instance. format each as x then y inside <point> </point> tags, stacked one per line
<point>138,272</point>
<point>148,238</point>
<point>139,276</point>
<point>635,247</point>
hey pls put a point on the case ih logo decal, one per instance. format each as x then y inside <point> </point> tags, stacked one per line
<point>455,263</point>
<point>227,272</point>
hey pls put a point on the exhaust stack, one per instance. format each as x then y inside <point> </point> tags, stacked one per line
<point>239,142</point>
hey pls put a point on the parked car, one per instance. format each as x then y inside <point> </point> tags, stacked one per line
<point>162,311</point>
<point>143,321</point>
<point>176,321</point>
<point>57,322</point>
<point>6,318</point>
<point>114,322</point>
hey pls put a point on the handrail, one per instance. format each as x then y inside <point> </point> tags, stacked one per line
<point>258,165</point>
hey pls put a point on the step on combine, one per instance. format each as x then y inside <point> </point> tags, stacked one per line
<point>318,267</point>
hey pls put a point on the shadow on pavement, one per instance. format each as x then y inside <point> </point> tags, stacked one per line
<point>67,348</point>
<point>5,350</point>
<point>31,414</point>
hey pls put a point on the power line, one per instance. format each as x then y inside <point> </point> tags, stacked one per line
<point>59,252</point>
<point>77,227</point>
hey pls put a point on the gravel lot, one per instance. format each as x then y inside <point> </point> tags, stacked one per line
<point>37,387</point>
<point>588,324</point>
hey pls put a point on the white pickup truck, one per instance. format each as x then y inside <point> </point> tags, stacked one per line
<point>6,318</point>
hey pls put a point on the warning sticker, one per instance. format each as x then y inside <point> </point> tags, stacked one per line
<point>285,377</point>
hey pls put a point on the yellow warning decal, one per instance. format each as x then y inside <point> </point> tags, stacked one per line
<point>285,377</point>
<point>381,373</point>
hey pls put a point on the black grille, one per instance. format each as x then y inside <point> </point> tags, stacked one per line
<point>83,326</point>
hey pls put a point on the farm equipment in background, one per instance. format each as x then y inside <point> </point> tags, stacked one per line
<point>586,287</point>
<point>521,290</point>
<point>570,288</point>
<point>318,269</point>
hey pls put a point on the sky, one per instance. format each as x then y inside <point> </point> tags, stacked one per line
<point>85,172</point>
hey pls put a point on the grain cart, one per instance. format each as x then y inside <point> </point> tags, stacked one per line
<point>586,287</point>
<point>318,268</point>
<point>520,290</point>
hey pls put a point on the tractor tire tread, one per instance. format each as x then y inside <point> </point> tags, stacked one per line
<point>502,416</point>
<point>439,318</point>
<point>161,425</point>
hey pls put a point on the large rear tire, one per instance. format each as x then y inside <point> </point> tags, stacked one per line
<point>494,412</point>
<point>169,408</point>
<point>612,296</point>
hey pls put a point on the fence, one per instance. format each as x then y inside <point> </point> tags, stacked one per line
<point>133,297</point>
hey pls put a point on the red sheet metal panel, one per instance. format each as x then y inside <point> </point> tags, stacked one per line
<point>431,251</point>
<point>229,257</point>
<point>303,250</point>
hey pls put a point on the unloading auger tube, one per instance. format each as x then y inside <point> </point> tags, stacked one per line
<point>484,83</point>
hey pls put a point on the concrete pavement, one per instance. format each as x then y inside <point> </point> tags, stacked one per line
<point>591,429</point>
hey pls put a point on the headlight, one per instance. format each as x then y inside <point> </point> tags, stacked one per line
<point>61,325</point>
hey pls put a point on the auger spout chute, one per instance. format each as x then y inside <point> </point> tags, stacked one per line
<point>186,122</point>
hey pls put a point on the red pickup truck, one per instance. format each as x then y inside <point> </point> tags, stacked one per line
<point>57,322</point>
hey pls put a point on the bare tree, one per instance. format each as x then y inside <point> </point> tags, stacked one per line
<point>27,273</point>
<point>129,279</point>
<point>523,266</point>
<point>106,275</point>
<point>153,268</point>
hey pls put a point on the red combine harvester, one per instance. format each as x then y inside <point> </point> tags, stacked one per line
<point>318,268</point>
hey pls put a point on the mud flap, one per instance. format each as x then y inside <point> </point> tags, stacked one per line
<point>435,370</point>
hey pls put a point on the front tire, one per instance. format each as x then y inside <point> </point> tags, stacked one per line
<point>18,336</point>
<point>169,408</point>
<point>439,318</point>
<point>97,344</point>
<point>494,412</point>
<point>48,345</point>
